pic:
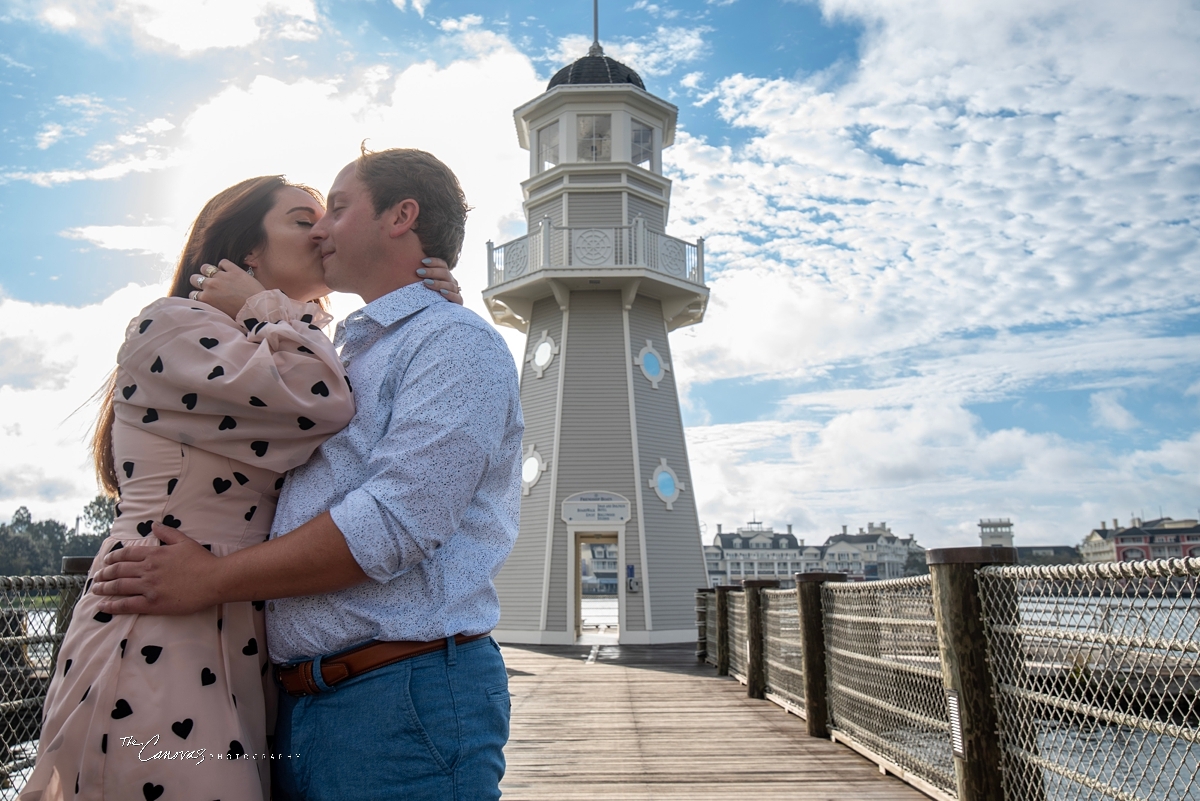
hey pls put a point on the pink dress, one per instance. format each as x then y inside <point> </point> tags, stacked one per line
<point>210,413</point>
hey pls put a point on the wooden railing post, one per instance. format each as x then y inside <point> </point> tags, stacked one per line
<point>812,650</point>
<point>702,623</point>
<point>71,566</point>
<point>723,628</point>
<point>974,727</point>
<point>756,679</point>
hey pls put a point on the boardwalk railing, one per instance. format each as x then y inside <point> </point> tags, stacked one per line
<point>34,614</point>
<point>990,681</point>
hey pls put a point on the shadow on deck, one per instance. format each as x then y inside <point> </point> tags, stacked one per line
<point>650,722</point>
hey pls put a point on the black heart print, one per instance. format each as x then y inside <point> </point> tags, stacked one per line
<point>260,326</point>
<point>123,644</point>
<point>250,515</point>
<point>236,750</point>
<point>189,400</point>
<point>303,349</point>
<point>319,388</point>
<point>216,371</point>
<point>208,342</point>
<point>145,528</point>
<point>128,468</point>
<point>279,483</point>
<point>157,367</point>
<point>145,324</point>
<point>182,728</point>
<point>152,791</point>
<point>102,617</point>
<point>348,383</point>
<point>172,521</point>
<point>306,318</point>
<point>117,547</point>
<point>152,652</point>
<point>104,744</point>
<point>256,402</point>
<point>150,416</point>
<point>85,694</point>
<point>128,391</point>
<point>66,666</point>
<point>221,484</point>
<point>250,322</point>
<point>207,677</point>
<point>251,647</point>
<point>259,605</point>
<point>260,447</point>
<point>171,485</point>
<point>305,423</point>
<point>227,423</point>
<point>240,478</point>
<point>122,709</point>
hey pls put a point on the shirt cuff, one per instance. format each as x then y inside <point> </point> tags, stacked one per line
<point>367,537</point>
<point>272,306</point>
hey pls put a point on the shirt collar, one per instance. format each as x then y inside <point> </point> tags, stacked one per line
<point>385,311</point>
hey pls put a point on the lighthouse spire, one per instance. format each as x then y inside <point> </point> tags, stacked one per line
<point>595,49</point>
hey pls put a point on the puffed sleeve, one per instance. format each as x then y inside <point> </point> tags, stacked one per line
<point>266,389</point>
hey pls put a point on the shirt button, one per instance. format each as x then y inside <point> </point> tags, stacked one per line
<point>271,606</point>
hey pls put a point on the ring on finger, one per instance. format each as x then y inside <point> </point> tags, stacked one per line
<point>200,281</point>
<point>208,270</point>
<point>194,294</point>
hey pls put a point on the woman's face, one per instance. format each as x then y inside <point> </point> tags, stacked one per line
<point>289,260</point>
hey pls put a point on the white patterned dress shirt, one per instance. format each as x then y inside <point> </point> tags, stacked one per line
<point>424,483</point>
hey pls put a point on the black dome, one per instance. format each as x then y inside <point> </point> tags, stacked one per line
<point>595,69</point>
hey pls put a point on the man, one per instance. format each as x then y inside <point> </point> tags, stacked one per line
<point>384,545</point>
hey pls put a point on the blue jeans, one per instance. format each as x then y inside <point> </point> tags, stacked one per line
<point>431,727</point>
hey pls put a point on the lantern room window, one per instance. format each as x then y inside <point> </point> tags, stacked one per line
<point>595,137</point>
<point>643,144</point>
<point>547,147</point>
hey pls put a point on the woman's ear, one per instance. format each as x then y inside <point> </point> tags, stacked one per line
<point>252,258</point>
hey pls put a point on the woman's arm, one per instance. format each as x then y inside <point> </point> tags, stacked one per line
<point>265,389</point>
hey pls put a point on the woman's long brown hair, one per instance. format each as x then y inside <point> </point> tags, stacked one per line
<point>230,226</point>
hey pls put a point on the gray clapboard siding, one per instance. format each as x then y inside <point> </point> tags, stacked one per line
<point>521,609</point>
<point>655,213</point>
<point>594,209</point>
<point>596,443</point>
<point>552,208</point>
<point>673,547</point>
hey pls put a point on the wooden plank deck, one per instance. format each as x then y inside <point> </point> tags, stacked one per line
<point>649,722</point>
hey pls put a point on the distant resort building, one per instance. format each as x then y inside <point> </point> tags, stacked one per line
<point>598,569</point>
<point>758,552</point>
<point>998,533</point>
<point>1162,538</point>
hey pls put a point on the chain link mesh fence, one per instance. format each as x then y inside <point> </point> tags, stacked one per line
<point>783,666</point>
<point>34,612</point>
<point>739,636</point>
<point>1097,676</point>
<point>885,678</point>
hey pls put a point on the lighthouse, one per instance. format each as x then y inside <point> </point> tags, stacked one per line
<point>597,285</point>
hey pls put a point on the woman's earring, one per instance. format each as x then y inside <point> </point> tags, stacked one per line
<point>250,271</point>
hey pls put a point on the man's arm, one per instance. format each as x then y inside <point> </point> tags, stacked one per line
<point>180,576</point>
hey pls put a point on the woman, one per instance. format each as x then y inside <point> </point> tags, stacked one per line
<point>205,414</point>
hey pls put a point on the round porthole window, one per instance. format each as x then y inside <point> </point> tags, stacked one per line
<point>666,484</point>
<point>532,467</point>
<point>542,353</point>
<point>652,364</point>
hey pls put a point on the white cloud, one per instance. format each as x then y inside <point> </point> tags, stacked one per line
<point>418,6</point>
<point>50,133</point>
<point>1107,411</point>
<point>460,24</point>
<point>164,241</point>
<point>189,27</point>
<point>661,53</point>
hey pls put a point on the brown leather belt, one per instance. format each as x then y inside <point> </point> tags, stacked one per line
<point>297,680</point>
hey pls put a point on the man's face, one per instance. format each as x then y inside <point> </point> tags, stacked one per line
<point>350,236</point>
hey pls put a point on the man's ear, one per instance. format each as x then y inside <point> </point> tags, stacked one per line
<point>402,217</point>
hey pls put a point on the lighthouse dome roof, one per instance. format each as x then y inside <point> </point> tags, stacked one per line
<point>595,69</point>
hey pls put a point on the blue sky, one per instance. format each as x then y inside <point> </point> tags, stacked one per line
<point>952,247</point>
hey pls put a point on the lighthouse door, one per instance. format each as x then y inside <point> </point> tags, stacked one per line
<point>597,599</point>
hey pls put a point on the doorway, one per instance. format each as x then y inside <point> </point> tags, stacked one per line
<point>597,589</point>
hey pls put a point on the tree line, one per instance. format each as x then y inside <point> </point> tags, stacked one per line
<point>29,548</point>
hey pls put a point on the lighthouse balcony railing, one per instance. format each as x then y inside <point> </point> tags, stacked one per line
<point>550,246</point>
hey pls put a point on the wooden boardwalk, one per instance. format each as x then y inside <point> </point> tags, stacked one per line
<point>648,722</point>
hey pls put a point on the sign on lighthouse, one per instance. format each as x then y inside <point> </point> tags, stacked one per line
<point>597,285</point>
